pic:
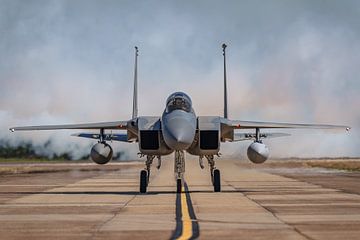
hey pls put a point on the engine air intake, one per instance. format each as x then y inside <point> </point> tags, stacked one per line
<point>209,139</point>
<point>149,139</point>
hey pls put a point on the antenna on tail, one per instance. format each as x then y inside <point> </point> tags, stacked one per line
<point>225,87</point>
<point>135,103</point>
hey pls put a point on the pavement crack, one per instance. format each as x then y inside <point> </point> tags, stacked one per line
<point>114,214</point>
<point>274,214</point>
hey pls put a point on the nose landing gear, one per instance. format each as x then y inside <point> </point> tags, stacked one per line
<point>179,169</point>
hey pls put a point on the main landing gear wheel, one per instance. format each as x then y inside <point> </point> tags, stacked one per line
<point>216,180</point>
<point>215,174</point>
<point>143,181</point>
<point>178,185</point>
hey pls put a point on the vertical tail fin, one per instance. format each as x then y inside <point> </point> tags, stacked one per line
<point>135,98</point>
<point>225,87</point>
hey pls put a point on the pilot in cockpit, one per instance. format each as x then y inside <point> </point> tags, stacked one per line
<point>178,101</point>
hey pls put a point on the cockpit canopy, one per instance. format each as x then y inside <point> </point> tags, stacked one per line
<point>178,101</point>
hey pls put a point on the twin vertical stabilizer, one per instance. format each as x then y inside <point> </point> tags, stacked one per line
<point>135,98</point>
<point>225,87</point>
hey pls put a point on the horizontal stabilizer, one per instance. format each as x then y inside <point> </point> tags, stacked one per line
<point>252,136</point>
<point>107,137</point>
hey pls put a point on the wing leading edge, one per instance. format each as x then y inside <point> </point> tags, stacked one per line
<point>99,125</point>
<point>237,124</point>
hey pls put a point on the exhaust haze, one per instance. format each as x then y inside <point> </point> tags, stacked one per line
<point>288,61</point>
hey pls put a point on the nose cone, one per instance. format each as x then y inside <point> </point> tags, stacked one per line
<point>179,130</point>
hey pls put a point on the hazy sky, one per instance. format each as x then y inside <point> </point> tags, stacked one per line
<point>291,61</point>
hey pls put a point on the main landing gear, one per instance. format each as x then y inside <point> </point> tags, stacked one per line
<point>215,173</point>
<point>145,174</point>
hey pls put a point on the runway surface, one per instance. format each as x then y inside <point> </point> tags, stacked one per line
<point>255,203</point>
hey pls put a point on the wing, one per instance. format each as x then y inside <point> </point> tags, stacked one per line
<point>251,136</point>
<point>99,125</point>
<point>107,137</point>
<point>228,127</point>
<point>238,124</point>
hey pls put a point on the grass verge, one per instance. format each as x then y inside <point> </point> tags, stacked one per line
<point>32,160</point>
<point>339,165</point>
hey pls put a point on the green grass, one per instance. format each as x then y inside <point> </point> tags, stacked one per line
<point>339,165</point>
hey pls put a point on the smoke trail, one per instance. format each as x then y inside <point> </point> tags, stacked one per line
<point>72,62</point>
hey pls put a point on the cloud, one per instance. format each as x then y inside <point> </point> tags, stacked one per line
<point>72,61</point>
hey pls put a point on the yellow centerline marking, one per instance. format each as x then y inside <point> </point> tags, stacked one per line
<point>187,226</point>
<point>187,230</point>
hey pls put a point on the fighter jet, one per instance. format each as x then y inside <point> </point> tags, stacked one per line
<point>179,130</point>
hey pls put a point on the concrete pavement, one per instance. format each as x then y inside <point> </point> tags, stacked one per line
<point>255,203</point>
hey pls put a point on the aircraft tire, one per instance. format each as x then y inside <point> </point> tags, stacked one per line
<point>143,181</point>
<point>178,186</point>
<point>217,182</point>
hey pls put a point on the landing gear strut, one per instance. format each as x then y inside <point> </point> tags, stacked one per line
<point>148,162</point>
<point>159,162</point>
<point>215,173</point>
<point>179,169</point>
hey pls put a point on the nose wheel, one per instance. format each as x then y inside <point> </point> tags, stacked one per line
<point>178,185</point>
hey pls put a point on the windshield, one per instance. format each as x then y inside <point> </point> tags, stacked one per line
<point>178,101</point>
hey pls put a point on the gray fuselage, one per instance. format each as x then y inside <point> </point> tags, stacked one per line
<point>178,122</point>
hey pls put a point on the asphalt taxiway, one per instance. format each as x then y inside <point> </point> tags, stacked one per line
<point>255,203</point>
